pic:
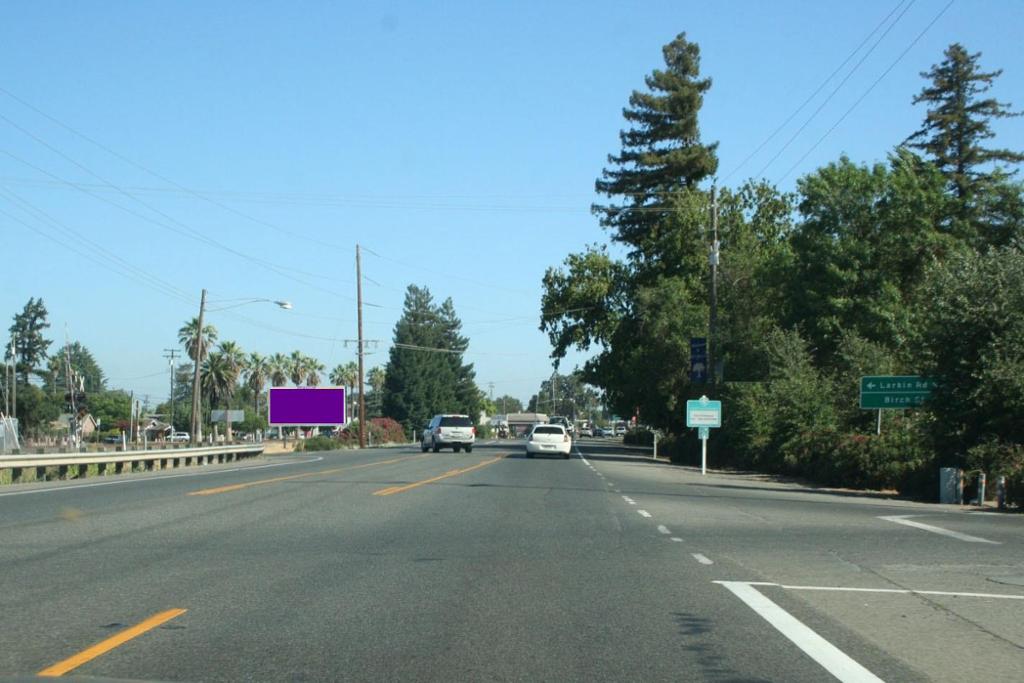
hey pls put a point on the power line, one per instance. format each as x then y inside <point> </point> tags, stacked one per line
<point>868,91</point>
<point>835,90</point>
<point>812,95</point>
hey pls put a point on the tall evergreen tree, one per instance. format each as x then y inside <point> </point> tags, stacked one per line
<point>83,365</point>
<point>29,344</point>
<point>661,153</point>
<point>957,123</point>
<point>419,380</point>
<point>467,394</point>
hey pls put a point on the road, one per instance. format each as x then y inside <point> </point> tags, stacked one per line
<point>391,564</point>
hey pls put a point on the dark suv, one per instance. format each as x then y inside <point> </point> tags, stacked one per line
<point>443,431</point>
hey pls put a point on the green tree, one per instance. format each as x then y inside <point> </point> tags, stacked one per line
<point>661,151</point>
<point>957,123</point>
<point>83,367</point>
<point>29,344</point>
<point>506,405</point>
<point>467,394</point>
<point>188,336</point>
<point>36,410</point>
<point>257,372</point>
<point>420,380</point>
<point>972,341</point>
<point>346,375</point>
<point>314,368</point>
<point>110,407</point>
<point>297,368</point>
<point>279,369</point>
<point>218,381</point>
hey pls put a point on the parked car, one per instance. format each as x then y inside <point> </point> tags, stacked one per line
<point>179,437</point>
<point>599,432</point>
<point>549,438</point>
<point>444,431</point>
<point>620,429</point>
<point>587,431</point>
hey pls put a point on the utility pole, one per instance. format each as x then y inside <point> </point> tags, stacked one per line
<point>359,317</point>
<point>197,426</point>
<point>170,355</point>
<point>14,374</point>
<point>713,322</point>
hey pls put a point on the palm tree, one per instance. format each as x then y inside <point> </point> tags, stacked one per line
<point>346,375</point>
<point>375,378</point>
<point>187,337</point>
<point>313,370</point>
<point>217,379</point>
<point>257,371</point>
<point>297,368</point>
<point>278,369</point>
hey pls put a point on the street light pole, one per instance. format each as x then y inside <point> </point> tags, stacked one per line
<point>359,316</point>
<point>197,429</point>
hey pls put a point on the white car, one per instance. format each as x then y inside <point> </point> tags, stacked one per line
<point>449,431</point>
<point>548,439</point>
<point>179,437</point>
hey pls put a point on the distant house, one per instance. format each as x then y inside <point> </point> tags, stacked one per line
<point>63,423</point>
<point>154,429</point>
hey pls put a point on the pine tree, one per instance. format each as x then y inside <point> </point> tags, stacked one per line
<point>29,344</point>
<point>958,121</point>
<point>467,394</point>
<point>419,382</point>
<point>662,153</point>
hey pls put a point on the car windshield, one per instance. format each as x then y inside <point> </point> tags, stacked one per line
<point>456,422</point>
<point>552,429</point>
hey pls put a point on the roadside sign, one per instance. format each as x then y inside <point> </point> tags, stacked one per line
<point>307,406</point>
<point>703,433</point>
<point>227,415</point>
<point>698,359</point>
<point>703,413</point>
<point>895,391</point>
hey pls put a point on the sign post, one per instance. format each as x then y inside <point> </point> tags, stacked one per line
<point>704,414</point>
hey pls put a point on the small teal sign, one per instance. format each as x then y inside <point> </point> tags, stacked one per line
<point>704,412</point>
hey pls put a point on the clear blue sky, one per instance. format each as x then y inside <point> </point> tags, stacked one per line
<point>458,141</point>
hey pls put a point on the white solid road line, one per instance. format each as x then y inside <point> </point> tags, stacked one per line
<point>643,513</point>
<point>903,591</point>
<point>701,558</point>
<point>834,660</point>
<point>138,480</point>
<point>904,519</point>
<point>664,529</point>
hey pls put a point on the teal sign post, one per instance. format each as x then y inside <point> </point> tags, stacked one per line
<point>703,414</point>
<point>896,391</point>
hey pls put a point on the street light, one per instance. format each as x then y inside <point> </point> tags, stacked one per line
<point>197,434</point>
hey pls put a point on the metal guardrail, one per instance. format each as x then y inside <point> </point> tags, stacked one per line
<point>153,459</point>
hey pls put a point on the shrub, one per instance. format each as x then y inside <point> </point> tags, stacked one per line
<point>318,443</point>
<point>1000,459</point>
<point>639,437</point>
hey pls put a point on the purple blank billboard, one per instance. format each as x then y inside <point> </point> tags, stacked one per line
<point>307,407</point>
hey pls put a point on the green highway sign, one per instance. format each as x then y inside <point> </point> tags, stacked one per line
<point>895,391</point>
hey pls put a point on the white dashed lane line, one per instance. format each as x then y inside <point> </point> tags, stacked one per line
<point>643,513</point>
<point>664,529</point>
<point>701,558</point>
<point>677,539</point>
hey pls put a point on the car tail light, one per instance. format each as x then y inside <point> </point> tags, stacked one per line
<point>565,438</point>
<point>474,431</point>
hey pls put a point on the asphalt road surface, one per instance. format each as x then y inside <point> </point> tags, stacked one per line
<point>390,564</point>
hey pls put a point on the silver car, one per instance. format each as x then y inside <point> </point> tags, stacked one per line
<point>455,431</point>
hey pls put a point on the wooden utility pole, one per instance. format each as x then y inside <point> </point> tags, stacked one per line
<point>197,425</point>
<point>713,321</point>
<point>359,349</point>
